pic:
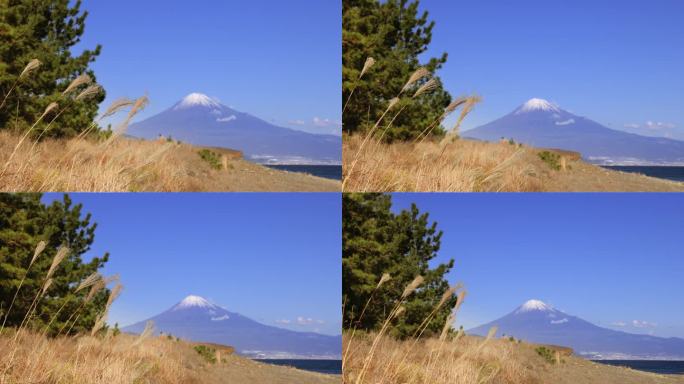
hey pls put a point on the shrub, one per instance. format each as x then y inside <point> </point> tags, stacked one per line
<point>551,356</point>
<point>550,158</point>
<point>213,158</point>
<point>208,353</point>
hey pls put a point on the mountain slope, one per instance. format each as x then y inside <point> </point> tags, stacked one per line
<point>201,120</point>
<point>540,123</point>
<point>537,322</point>
<point>196,319</point>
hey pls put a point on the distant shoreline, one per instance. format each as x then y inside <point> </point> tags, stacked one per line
<point>663,367</point>
<point>327,171</point>
<point>665,172</point>
<point>324,366</point>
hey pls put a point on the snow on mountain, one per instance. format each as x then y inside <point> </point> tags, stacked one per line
<point>193,301</point>
<point>197,99</point>
<point>197,319</point>
<point>202,120</point>
<point>543,124</point>
<point>538,322</point>
<point>534,305</point>
<point>537,105</point>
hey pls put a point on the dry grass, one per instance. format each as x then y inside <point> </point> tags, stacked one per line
<point>130,359</point>
<point>461,166</point>
<point>81,165</point>
<point>476,166</point>
<point>125,164</point>
<point>468,360</point>
<point>465,360</point>
<point>87,359</point>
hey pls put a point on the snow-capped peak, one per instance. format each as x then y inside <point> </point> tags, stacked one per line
<point>194,301</point>
<point>197,99</point>
<point>534,305</point>
<point>538,105</point>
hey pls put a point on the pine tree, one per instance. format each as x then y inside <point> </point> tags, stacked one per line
<point>24,222</point>
<point>394,34</point>
<point>376,241</point>
<point>45,30</point>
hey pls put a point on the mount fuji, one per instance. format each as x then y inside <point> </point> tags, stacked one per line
<point>540,123</point>
<point>538,322</point>
<point>201,120</point>
<point>196,319</point>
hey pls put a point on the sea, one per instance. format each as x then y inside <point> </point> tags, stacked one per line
<point>674,173</point>
<point>328,171</point>
<point>657,366</point>
<point>331,367</point>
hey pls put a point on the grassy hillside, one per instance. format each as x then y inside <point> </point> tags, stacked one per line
<point>125,164</point>
<point>474,166</point>
<point>32,358</point>
<point>479,361</point>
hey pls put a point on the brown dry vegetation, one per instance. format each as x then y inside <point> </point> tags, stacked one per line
<point>127,164</point>
<point>474,166</point>
<point>472,360</point>
<point>119,359</point>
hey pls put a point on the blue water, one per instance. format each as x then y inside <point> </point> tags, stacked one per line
<point>333,367</point>
<point>656,366</point>
<point>328,171</point>
<point>669,173</point>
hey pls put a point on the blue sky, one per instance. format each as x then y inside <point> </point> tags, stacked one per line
<point>272,257</point>
<point>277,60</point>
<point>607,258</point>
<point>618,62</point>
